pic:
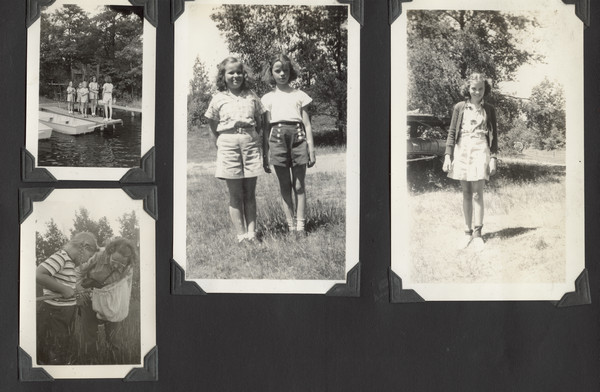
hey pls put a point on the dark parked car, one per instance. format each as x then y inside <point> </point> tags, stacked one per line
<point>426,137</point>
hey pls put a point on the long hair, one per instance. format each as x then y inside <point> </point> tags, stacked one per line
<point>221,85</point>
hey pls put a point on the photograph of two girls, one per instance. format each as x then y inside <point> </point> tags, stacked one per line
<point>268,138</point>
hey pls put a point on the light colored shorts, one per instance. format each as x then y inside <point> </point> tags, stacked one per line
<point>238,154</point>
<point>107,98</point>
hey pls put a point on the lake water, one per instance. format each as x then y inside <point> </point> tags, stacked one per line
<point>118,147</point>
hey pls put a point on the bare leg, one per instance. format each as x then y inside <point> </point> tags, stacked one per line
<point>298,176</point>
<point>478,209</point>
<point>249,189</point>
<point>285,188</point>
<point>467,192</point>
<point>236,207</point>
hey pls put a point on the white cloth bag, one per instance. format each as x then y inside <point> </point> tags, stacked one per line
<point>111,302</point>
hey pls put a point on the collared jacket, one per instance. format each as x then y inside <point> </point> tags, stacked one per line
<point>454,131</point>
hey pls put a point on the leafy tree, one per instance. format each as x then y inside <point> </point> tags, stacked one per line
<point>52,240</point>
<point>130,227</point>
<point>83,222</point>
<point>199,95</point>
<point>444,47</point>
<point>109,43</point>
<point>546,114</point>
<point>315,38</point>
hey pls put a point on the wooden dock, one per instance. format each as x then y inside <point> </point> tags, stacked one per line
<point>99,121</point>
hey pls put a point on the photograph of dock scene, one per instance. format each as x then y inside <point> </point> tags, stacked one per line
<point>90,85</point>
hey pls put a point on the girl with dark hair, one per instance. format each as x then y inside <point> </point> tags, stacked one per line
<point>288,137</point>
<point>235,118</point>
<point>471,150</point>
<point>106,280</point>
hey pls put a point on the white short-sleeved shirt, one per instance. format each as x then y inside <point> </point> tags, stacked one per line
<point>286,106</point>
<point>234,111</point>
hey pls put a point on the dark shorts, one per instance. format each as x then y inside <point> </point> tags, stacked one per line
<point>287,144</point>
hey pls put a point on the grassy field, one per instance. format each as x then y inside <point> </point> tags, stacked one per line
<point>524,226</point>
<point>212,249</point>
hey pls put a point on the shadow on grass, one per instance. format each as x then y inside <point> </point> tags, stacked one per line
<point>329,137</point>
<point>509,232</point>
<point>427,176</point>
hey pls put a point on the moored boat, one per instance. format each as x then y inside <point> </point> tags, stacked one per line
<point>65,124</point>
<point>44,131</point>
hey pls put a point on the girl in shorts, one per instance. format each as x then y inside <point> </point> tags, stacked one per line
<point>70,97</point>
<point>471,151</point>
<point>85,92</point>
<point>235,118</point>
<point>93,86</point>
<point>107,97</point>
<point>289,138</point>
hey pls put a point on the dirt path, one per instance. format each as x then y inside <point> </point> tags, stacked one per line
<point>325,163</point>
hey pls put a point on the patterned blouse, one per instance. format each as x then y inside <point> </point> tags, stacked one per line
<point>474,119</point>
<point>233,111</point>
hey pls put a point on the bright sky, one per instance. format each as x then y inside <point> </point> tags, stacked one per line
<point>62,204</point>
<point>550,40</point>
<point>209,45</point>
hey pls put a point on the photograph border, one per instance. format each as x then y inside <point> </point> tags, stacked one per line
<point>575,289</point>
<point>30,171</point>
<point>348,287</point>
<point>147,368</point>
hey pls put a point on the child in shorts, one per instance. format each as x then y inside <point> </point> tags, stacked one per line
<point>290,139</point>
<point>70,97</point>
<point>235,118</point>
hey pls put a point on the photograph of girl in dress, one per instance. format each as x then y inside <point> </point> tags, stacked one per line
<point>266,142</point>
<point>90,46</point>
<point>88,290</point>
<point>487,139</point>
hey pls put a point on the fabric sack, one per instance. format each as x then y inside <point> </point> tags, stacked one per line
<point>111,302</point>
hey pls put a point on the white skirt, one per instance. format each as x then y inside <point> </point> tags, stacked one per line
<point>471,158</point>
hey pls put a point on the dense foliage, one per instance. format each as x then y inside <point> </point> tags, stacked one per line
<point>75,46</point>
<point>314,37</point>
<point>445,47</point>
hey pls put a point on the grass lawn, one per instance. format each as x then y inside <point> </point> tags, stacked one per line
<point>212,248</point>
<point>524,226</point>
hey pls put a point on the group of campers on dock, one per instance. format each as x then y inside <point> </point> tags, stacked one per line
<point>86,98</point>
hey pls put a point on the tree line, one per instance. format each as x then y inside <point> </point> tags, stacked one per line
<point>445,47</point>
<point>76,46</point>
<point>314,37</point>
<point>53,238</point>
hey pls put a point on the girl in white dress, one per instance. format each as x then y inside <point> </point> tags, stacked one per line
<point>471,150</point>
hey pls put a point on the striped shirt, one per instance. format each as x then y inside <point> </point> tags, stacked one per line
<point>62,268</point>
<point>233,111</point>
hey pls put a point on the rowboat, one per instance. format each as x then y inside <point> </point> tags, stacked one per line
<point>65,124</point>
<point>44,131</point>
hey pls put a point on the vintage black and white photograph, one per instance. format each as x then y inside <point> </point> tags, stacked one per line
<point>487,149</point>
<point>87,284</point>
<point>266,145</point>
<point>90,98</point>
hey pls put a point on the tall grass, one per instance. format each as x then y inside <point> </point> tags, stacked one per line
<point>524,226</point>
<point>212,248</point>
<point>213,251</point>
